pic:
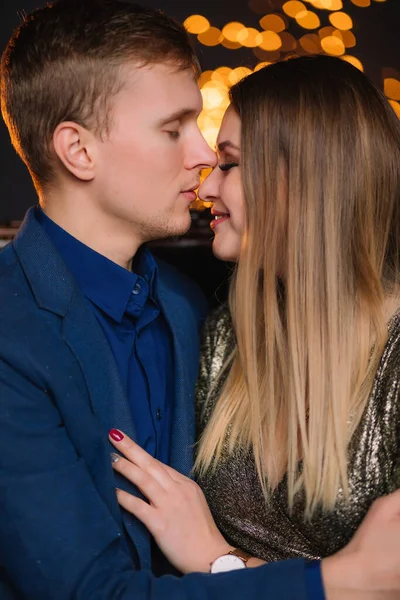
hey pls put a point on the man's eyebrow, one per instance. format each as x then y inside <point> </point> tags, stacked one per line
<point>176,116</point>
<point>227,144</point>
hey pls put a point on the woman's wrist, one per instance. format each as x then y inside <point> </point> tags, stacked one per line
<point>255,562</point>
<point>250,562</point>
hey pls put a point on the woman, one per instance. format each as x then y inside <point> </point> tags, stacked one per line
<point>299,392</point>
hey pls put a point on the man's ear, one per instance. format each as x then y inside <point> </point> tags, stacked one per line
<point>75,147</point>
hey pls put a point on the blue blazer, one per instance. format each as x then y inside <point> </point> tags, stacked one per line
<point>62,534</point>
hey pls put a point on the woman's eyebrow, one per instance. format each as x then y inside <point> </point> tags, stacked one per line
<point>227,144</point>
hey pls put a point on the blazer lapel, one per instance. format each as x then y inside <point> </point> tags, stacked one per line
<point>183,429</point>
<point>84,336</point>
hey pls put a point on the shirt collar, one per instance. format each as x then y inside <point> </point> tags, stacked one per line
<point>102,281</point>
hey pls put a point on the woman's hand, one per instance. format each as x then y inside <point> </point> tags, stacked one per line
<point>177,515</point>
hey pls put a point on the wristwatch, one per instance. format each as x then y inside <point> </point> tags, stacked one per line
<point>235,559</point>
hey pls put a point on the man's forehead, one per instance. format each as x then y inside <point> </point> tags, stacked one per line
<point>169,88</point>
<point>153,73</point>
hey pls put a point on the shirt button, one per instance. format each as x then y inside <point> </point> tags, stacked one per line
<point>159,414</point>
<point>136,289</point>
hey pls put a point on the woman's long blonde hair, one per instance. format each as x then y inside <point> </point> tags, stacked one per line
<point>308,293</point>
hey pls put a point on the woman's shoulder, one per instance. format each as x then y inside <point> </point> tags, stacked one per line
<point>218,324</point>
<point>389,367</point>
<point>218,343</point>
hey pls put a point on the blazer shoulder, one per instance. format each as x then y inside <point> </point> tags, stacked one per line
<point>8,260</point>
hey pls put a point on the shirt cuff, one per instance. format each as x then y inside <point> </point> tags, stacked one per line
<point>314,585</point>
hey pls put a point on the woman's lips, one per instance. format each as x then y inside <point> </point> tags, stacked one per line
<point>219,218</point>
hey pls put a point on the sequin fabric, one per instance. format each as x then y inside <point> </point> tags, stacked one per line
<point>233,491</point>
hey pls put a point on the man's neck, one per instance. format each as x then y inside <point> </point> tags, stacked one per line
<point>111,237</point>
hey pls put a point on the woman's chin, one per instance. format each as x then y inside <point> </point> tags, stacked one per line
<point>223,252</point>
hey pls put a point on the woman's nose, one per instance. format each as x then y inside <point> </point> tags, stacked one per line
<point>208,191</point>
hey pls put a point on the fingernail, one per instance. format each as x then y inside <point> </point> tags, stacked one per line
<point>116,435</point>
<point>114,457</point>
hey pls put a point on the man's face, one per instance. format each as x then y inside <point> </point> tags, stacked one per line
<point>154,152</point>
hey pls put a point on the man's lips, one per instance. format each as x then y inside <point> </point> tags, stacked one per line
<point>190,193</point>
<point>219,217</point>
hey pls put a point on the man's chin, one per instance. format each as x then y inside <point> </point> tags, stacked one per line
<point>171,230</point>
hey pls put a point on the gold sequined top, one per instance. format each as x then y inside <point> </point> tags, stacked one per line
<point>234,493</point>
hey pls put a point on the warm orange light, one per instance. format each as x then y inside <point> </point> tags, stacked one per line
<point>238,74</point>
<point>270,41</point>
<point>327,4</point>
<point>333,45</point>
<point>326,31</point>
<point>196,24</point>
<point>308,20</point>
<point>288,42</point>
<point>341,20</point>
<point>214,95</point>
<point>212,37</point>
<point>273,23</point>
<point>391,87</point>
<point>353,61</point>
<point>293,8</point>
<point>204,78</point>
<point>362,3</point>
<point>396,107</point>
<point>230,45</point>
<point>261,65</point>
<point>221,75</point>
<point>348,37</point>
<point>249,37</point>
<point>232,29</point>
<point>310,43</point>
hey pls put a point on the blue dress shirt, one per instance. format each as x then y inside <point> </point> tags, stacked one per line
<point>125,304</point>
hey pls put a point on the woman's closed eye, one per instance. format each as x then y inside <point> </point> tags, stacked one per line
<point>227,166</point>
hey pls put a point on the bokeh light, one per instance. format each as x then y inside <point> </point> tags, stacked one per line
<point>273,23</point>
<point>396,107</point>
<point>197,24</point>
<point>391,88</point>
<point>249,37</point>
<point>356,62</point>
<point>327,4</point>
<point>348,37</point>
<point>361,3</point>
<point>232,30</point>
<point>308,20</point>
<point>311,43</point>
<point>294,9</point>
<point>328,31</point>
<point>211,37</point>
<point>341,20</point>
<point>333,45</point>
<point>270,41</point>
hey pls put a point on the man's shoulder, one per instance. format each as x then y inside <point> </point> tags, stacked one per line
<point>12,281</point>
<point>8,259</point>
<point>19,310</point>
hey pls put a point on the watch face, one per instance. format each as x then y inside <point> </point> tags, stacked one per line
<point>227,562</point>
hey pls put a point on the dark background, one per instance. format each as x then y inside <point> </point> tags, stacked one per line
<point>377,30</point>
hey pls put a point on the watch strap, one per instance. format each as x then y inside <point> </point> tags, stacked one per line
<point>240,554</point>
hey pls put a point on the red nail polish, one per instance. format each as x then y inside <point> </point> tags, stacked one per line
<point>116,435</point>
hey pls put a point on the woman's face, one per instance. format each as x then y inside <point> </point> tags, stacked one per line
<point>223,187</point>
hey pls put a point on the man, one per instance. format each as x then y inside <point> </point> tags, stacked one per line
<point>101,103</point>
